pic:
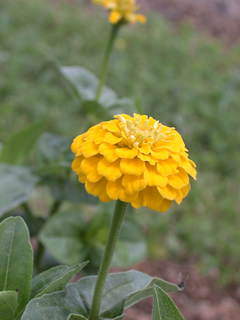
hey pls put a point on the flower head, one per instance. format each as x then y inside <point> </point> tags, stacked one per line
<point>134,159</point>
<point>122,9</point>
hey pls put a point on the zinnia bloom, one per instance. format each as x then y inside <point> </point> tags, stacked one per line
<point>122,9</point>
<point>134,159</point>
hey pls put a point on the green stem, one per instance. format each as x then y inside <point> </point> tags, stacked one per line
<point>115,28</point>
<point>55,207</point>
<point>28,211</point>
<point>39,257</point>
<point>113,234</point>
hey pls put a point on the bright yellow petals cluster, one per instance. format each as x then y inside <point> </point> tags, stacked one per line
<point>122,9</point>
<point>134,159</point>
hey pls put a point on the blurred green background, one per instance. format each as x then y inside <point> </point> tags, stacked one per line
<point>179,75</point>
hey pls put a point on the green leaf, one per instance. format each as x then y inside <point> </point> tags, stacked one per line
<point>68,240</point>
<point>74,316</point>
<point>8,304</point>
<point>123,105</point>
<point>52,149</point>
<point>16,186</point>
<point>77,298</point>
<point>131,247</point>
<point>115,318</point>
<point>18,146</point>
<point>121,290</point>
<point>66,189</point>
<point>16,258</point>
<point>54,306</point>
<point>84,84</point>
<point>54,279</point>
<point>62,234</point>
<point>102,112</point>
<point>147,291</point>
<point>163,306</point>
<point>97,110</point>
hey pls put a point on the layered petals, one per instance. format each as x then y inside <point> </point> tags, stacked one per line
<point>134,159</point>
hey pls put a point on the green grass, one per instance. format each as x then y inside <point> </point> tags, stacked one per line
<point>182,77</point>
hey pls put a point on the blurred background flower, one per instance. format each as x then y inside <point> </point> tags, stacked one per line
<point>122,9</point>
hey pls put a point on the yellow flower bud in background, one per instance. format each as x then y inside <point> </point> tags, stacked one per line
<point>122,9</point>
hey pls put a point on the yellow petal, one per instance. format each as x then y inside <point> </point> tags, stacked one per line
<point>82,178</point>
<point>161,154</point>
<point>186,165</point>
<point>151,198</point>
<point>167,167</point>
<point>76,164</point>
<point>179,197</point>
<point>176,157</point>
<point>145,148</point>
<point>192,163</point>
<point>110,138</point>
<point>114,17</point>
<point>179,180</point>
<point>108,151</point>
<point>77,143</point>
<point>153,177</point>
<point>164,205</point>
<point>88,167</point>
<point>89,149</point>
<point>99,136</point>
<point>185,190</point>
<point>141,18</point>
<point>115,190</point>
<point>163,144</point>
<point>111,126</point>
<point>167,192</point>
<point>133,184</point>
<point>110,170</point>
<point>147,157</point>
<point>132,166</point>
<point>126,153</point>
<point>182,193</point>
<point>98,189</point>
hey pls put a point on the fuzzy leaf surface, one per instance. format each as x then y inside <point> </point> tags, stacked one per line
<point>61,235</point>
<point>17,147</point>
<point>163,306</point>
<point>78,296</point>
<point>16,186</point>
<point>85,83</point>
<point>16,259</point>
<point>8,304</point>
<point>54,279</point>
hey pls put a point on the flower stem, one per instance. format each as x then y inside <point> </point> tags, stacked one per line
<point>113,234</point>
<point>115,28</point>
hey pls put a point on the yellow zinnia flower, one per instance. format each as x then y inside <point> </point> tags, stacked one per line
<point>122,9</point>
<point>134,159</point>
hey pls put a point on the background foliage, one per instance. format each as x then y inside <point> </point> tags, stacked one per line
<point>178,75</point>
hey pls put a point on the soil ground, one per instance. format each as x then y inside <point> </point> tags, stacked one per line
<point>220,18</point>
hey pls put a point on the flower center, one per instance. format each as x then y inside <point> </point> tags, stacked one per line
<point>139,131</point>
